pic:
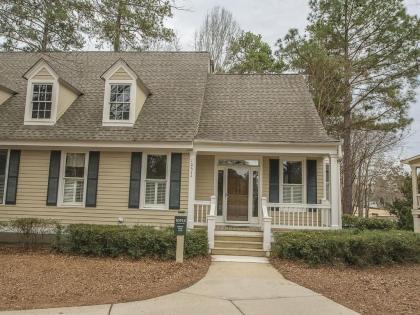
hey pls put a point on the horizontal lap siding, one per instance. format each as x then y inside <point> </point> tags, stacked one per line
<point>204,187</point>
<point>112,196</point>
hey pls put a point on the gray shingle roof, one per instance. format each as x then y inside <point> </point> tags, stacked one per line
<point>260,108</point>
<point>176,80</point>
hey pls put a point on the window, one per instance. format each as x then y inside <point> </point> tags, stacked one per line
<point>254,193</point>
<point>327,181</point>
<point>418,179</point>
<point>3,168</point>
<point>74,178</point>
<point>292,182</point>
<point>41,101</point>
<point>119,103</point>
<point>220,190</point>
<point>156,181</point>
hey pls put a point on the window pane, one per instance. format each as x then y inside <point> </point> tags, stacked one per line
<point>3,162</point>
<point>75,165</point>
<point>292,172</point>
<point>73,190</point>
<point>255,194</point>
<point>238,162</point>
<point>220,176</point>
<point>156,167</point>
<point>418,179</point>
<point>119,102</point>
<point>155,193</point>
<point>41,101</point>
<point>292,193</point>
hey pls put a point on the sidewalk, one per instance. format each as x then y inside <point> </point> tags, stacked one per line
<point>228,288</point>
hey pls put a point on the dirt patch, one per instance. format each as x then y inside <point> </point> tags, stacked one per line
<point>374,290</point>
<point>42,279</point>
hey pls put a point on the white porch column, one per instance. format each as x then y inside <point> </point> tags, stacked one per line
<point>191,188</point>
<point>335,192</point>
<point>415,188</point>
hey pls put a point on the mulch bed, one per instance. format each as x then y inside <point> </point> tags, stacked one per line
<point>42,279</point>
<point>373,290</point>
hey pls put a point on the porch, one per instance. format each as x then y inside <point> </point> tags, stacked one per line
<point>263,192</point>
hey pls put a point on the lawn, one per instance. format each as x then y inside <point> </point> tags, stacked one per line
<point>42,279</point>
<point>391,289</point>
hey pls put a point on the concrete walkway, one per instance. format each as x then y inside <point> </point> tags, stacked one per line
<point>228,288</point>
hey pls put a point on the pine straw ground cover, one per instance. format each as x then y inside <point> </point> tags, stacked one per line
<point>391,289</point>
<point>42,279</point>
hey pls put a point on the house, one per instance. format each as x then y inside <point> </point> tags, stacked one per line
<point>103,137</point>
<point>414,163</point>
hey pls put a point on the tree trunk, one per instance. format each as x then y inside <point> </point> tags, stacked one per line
<point>347,149</point>
<point>45,32</point>
<point>117,37</point>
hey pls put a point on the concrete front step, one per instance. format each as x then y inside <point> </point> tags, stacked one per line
<point>230,236</point>
<point>238,252</point>
<point>237,244</point>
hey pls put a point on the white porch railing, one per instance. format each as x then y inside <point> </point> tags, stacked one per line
<point>211,222</point>
<point>266,225</point>
<point>201,211</point>
<point>300,216</point>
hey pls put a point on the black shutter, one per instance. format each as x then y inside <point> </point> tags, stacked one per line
<point>135,177</point>
<point>274,181</point>
<point>311,182</point>
<point>175,187</point>
<point>92,179</point>
<point>12,177</point>
<point>53,178</point>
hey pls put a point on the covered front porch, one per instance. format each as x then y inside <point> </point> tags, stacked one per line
<point>264,191</point>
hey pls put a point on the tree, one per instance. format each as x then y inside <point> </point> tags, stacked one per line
<point>250,54</point>
<point>162,45</point>
<point>41,25</point>
<point>216,34</point>
<point>128,24</point>
<point>401,207</point>
<point>370,50</point>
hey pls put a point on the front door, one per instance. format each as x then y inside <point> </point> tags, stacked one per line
<point>237,202</point>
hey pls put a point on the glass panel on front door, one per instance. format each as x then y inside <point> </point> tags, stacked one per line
<point>237,194</point>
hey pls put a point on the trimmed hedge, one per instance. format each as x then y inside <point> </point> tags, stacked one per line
<point>135,242</point>
<point>351,247</point>
<point>353,222</point>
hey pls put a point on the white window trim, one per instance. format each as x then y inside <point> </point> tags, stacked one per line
<point>143,204</point>
<point>28,120</point>
<point>292,159</point>
<point>61,203</point>
<point>106,110</point>
<point>6,175</point>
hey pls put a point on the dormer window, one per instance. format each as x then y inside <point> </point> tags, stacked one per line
<point>47,96</point>
<point>120,102</point>
<point>124,95</point>
<point>41,101</point>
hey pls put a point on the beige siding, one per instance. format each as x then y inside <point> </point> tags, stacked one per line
<point>265,178</point>
<point>140,99</point>
<point>43,74</point>
<point>4,96</point>
<point>65,98</point>
<point>204,181</point>
<point>112,197</point>
<point>120,74</point>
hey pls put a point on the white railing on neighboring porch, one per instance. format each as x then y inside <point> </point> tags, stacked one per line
<point>300,216</point>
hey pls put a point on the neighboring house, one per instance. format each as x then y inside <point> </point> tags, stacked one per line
<point>376,212</point>
<point>102,137</point>
<point>414,163</point>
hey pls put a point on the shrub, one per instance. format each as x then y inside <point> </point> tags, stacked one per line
<point>353,222</point>
<point>352,247</point>
<point>135,242</point>
<point>32,230</point>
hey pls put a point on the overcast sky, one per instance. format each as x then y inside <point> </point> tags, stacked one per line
<point>272,19</point>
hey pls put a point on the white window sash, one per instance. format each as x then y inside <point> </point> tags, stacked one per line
<point>300,189</point>
<point>63,178</point>
<point>145,180</point>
